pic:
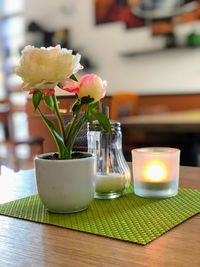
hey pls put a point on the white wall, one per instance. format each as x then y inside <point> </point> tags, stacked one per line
<point>167,72</point>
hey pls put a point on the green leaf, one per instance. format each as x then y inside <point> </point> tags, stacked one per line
<point>73,77</point>
<point>93,105</point>
<point>49,102</point>
<point>89,117</point>
<point>64,153</point>
<point>77,129</point>
<point>37,97</point>
<point>103,120</point>
<point>92,108</point>
<point>67,129</point>
<point>89,114</point>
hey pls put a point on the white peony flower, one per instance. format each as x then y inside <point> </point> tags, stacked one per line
<point>44,68</point>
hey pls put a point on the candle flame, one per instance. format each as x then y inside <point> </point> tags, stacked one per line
<point>155,171</point>
<point>63,110</point>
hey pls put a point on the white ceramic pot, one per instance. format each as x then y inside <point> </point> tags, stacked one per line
<point>65,186</point>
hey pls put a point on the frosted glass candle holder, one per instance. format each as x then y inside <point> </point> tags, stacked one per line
<point>156,171</point>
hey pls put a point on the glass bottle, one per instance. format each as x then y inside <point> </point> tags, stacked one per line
<point>113,173</point>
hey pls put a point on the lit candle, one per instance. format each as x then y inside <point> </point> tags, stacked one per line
<point>156,171</point>
<point>112,182</point>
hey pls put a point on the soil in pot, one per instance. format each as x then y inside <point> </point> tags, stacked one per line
<point>75,155</point>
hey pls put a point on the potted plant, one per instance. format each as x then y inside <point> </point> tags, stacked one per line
<point>65,179</point>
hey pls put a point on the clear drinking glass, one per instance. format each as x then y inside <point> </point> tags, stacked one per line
<point>113,173</point>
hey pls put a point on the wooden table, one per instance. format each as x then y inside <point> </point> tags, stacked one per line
<point>176,122</point>
<point>184,124</point>
<point>24,243</point>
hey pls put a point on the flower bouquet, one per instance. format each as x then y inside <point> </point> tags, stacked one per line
<point>66,184</point>
<point>43,69</point>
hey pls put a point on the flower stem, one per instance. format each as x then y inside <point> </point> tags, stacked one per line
<point>69,136</point>
<point>59,118</point>
<point>51,131</point>
<point>76,130</point>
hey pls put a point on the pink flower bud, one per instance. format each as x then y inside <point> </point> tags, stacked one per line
<point>93,86</point>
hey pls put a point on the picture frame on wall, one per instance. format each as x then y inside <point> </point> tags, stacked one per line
<point>162,18</point>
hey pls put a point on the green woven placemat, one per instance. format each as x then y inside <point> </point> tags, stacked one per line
<point>128,218</point>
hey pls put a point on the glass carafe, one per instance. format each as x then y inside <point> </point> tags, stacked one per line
<point>113,173</point>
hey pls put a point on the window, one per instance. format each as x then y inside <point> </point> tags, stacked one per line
<point>12,39</point>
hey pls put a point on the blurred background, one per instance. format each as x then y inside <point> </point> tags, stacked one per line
<point>145,47</point>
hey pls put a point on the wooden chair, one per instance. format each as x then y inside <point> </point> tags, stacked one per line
<point>123,104</point>
<point>10,146</point>
<point>126,104</point>
<point>4,117</point>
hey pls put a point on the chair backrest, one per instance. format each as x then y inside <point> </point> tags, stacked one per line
<point>123,104</point>
<point>4,119</point>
